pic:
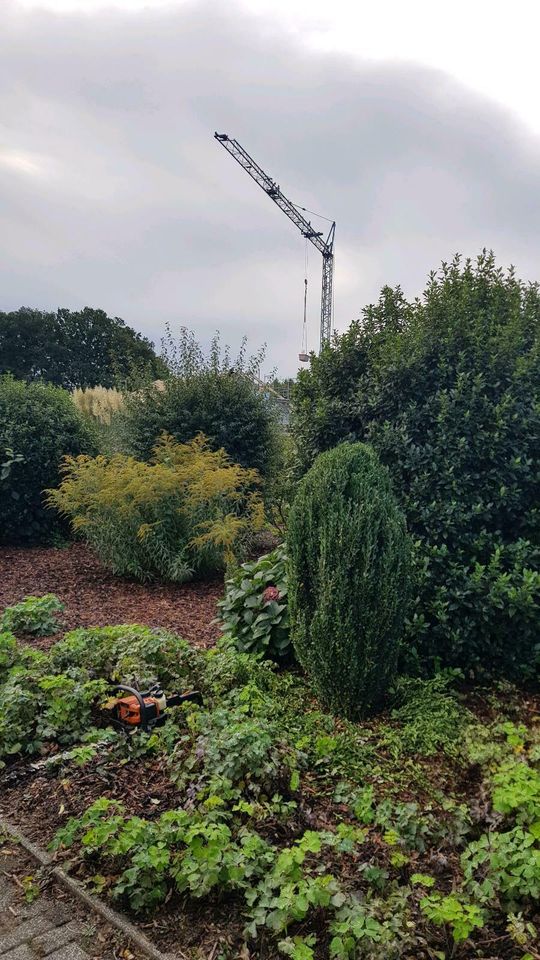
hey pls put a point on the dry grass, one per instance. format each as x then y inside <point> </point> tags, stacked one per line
<point>100,403</point>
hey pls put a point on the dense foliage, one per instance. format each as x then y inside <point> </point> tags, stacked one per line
<point>348,578</point>
<point>73,348</point>
<point>294,820</point>
<point>33,615</point>
<point>254,612</point>
<point>447,390</point>
<point>209,394</point>
<point>187,513</point>
<point>53,697</point>
<point>38,426</point>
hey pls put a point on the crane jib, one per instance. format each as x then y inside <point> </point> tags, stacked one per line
<point>324,246</point>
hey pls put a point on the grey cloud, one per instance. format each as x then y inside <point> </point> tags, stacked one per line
<point>130,204</point>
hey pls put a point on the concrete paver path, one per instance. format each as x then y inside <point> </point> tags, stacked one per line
<point>42,930</point>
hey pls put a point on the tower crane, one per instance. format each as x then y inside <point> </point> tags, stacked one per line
<point>324,246</point>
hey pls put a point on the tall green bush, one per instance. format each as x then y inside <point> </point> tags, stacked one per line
<point>38,426</point>
<point>204,394</point>
<point>447,390</point>
<point>348,578</point>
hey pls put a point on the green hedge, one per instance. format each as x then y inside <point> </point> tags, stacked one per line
<point>223,405</point>
<point>39,424</point>
<point>447,390</point>
<point>348,578</point>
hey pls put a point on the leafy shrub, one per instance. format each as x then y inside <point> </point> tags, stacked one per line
<point>212,395</point>
<point>127,652</point>
<point>41,424</point>
<point>254,612</point>
<point>185,514</point>
<point>446,389</point>
<point>36,615</point>
<point>349,567</point>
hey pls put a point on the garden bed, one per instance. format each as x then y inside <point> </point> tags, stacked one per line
<point>257,825</point>
<point>94,597</point>
<point>427,797</point>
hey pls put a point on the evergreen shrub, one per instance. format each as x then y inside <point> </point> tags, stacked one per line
<point>348,578</point>
<point>446,389</point>
<point>213,395</point>
<point>39,425</point>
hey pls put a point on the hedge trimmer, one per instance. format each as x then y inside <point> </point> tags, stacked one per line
<point>145,709</point>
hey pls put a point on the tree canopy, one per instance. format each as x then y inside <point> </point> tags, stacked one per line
<point>73,348</point>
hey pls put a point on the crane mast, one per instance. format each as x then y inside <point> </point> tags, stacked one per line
<point>324,246</point>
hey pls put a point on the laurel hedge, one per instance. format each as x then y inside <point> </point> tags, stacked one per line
<point>446,389</point>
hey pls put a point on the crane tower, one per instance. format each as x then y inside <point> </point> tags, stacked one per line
<point>324,246</point>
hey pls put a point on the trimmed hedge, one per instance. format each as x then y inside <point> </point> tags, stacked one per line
<point>348,579</point>
<point>39,425</point>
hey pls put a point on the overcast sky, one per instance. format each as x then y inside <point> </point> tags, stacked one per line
<point>418,132</point>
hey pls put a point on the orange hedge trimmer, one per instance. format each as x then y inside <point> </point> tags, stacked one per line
<point>145,708</point>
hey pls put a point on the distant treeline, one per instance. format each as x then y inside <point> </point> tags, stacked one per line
<point>73,348</point>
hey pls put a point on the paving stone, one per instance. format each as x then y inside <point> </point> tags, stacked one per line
<point>7,895</point>
<point>23,952</point>
<point>57,912</point>
<point>70,952</point>
<point>25,911</point>
<point>56,938</point>
<point>24,932</point>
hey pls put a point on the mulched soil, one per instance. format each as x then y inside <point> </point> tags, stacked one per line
<point>40,802</point>
<point>94,597</point>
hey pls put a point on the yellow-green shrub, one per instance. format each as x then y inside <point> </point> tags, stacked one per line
<point>188,512</point>
<point>99,403</point>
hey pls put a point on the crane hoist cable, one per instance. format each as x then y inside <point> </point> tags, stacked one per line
<point>304,347</point>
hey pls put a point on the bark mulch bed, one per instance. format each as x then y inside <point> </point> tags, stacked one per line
<point>94,597</point>
<point>39,803</point>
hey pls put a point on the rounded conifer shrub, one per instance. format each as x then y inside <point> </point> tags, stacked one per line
<point>349,564</point>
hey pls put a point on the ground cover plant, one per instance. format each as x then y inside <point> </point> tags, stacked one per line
<point>187,513</point>
<point>446,389</point>
<point>35,615</point>
<point>410,836</point>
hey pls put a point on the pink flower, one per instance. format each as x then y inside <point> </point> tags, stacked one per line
<point>270,593</point>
